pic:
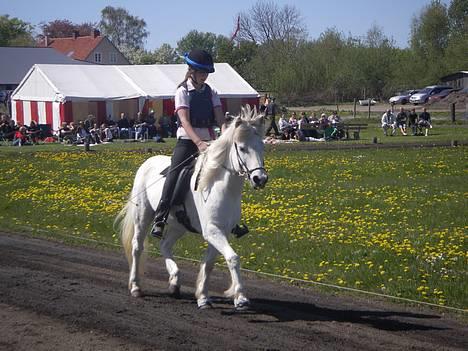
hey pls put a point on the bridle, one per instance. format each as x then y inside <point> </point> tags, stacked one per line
<point>244,170</point>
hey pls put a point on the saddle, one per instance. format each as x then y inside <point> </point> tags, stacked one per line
<point>181,189</point>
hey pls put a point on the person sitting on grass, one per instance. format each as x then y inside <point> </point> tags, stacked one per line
<point>285,128</point>
<point>424,121</point>
<point>401,120</point>
<point>388,121</point>
<point>33,132</point>
<point>105,133</point>
<point>20,137</point>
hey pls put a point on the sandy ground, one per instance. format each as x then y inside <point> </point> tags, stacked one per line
<point>56,297</point>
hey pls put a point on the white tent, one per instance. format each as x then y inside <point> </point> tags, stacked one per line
<point>56,93</point>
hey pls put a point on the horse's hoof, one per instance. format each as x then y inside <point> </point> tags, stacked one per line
<point>174,291</point>
<point>242,304</point>
<point>136,293</point>
<point>205,306</point>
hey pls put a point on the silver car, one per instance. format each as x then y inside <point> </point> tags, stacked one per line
<point>402,97</point>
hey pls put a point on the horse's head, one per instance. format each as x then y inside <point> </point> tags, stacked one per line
<point>246,155</point>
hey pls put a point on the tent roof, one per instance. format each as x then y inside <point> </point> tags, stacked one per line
<point>16,61</point>
<point>105,82</point>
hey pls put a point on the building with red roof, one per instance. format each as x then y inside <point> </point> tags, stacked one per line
<point>92,48</point>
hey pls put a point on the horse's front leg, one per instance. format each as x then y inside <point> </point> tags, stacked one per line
<point>217,237</point>
<point>174,232</point>
<point>206,267</point>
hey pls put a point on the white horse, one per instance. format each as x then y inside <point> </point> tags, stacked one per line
<point>213,206</point>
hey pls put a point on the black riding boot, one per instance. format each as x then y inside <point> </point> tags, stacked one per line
<point>160,219</point>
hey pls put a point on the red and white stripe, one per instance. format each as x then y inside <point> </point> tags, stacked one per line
<point>43,112</point>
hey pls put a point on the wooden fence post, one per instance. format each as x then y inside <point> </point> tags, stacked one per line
<point>354,110</point>
<point>452,112</point>
<point>369,105</point>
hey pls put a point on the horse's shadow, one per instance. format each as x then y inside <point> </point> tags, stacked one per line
<point>279,311</point>
<point>285,311</point>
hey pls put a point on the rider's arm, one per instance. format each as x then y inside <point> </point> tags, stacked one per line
<point>184,116</point>
<point>220,118</point>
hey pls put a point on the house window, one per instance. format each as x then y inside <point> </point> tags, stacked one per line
<point>112,57</point>
<point>97,57</point>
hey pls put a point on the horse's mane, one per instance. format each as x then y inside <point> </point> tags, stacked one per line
<point>241,127</point>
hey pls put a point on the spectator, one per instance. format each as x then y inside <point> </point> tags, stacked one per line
<point>388,121</point>
<point>82,135</point>
<point>105,133</point>
<point>64,133</point>
<point>334,118</point>
<point>124,125</point>
<point>413,121</point>
<point>33,132</point>
<point>89,123</point>
<point>271,109</point>
<point>141,127</point>
<point>424,121</point>
<point>7,128</point>
<point>285,127</point>
<point>293,121</point>
<point>20,137</point>
<point>323,122</point>
<point>402,120</point>
<point>95,134</point>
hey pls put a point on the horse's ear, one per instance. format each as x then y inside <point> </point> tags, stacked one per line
<point>237,122</point>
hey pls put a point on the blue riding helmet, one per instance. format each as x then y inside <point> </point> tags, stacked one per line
<point>200,60</point>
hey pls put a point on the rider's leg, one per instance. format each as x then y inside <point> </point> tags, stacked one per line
<point>181,157</point>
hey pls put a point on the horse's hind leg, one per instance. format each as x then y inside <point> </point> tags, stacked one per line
<point>137,251</point>
<point>206,267</point>
<point>173,233</point>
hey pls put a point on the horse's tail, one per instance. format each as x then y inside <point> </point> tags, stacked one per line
<point>126,224</point>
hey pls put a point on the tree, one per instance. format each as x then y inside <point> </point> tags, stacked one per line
<point>123,29</point>
<point>65,28</point>
<point>458,17</point>
<point>15,32</point>
<point>266,22</point>
<point>199,40</point>
<point>166,54</point>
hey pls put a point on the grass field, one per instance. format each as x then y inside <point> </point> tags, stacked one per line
<point>384,220</point>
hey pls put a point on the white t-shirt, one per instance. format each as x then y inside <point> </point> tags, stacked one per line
<point>182,101</point>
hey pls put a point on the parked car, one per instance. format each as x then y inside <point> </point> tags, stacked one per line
<point>423,96</point>
<point>441,95</point>
<point>402,97</point>
<point>366,102</point>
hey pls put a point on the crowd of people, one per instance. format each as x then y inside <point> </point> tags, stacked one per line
<point>143,127</point>
<point>140,128</point>
<point>406,120</point>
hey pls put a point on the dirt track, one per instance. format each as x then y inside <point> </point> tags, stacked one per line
<point>56,297</point>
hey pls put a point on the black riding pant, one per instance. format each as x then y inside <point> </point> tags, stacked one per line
<point>181,157</point>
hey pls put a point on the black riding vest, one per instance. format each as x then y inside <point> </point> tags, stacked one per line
<point>201,108</point>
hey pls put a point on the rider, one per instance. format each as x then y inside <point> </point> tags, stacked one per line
<point>198,108</point>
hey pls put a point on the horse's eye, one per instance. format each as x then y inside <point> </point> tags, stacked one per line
<point>243,149</point>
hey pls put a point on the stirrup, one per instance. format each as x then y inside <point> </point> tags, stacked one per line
<point>240,230</point>
<point>157,230</point>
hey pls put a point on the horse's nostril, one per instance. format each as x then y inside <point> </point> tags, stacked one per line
<point>256,179</point>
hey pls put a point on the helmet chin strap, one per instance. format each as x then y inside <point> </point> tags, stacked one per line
<point>198,85</point>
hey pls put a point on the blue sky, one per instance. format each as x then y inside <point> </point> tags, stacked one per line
<point>168,21</point>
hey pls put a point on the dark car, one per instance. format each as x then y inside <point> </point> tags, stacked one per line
<point>423,96</point>
<point>440,96</point>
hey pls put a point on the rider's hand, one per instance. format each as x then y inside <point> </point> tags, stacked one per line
<point>202,146</point>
